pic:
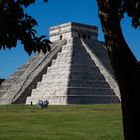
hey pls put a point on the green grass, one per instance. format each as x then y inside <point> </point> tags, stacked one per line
<point>71,122</point>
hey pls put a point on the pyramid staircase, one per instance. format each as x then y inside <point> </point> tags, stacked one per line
<point>12,79</point>
<point>73,78</point>
<point>76,71</point>
<point>7,85</point>
<point>18,86</point>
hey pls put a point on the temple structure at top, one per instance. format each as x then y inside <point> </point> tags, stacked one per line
<point>72,29</point>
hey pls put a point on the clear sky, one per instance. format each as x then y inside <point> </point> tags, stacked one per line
<point>56,12</point>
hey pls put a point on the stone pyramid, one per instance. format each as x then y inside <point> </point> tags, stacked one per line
<point>76,71</point>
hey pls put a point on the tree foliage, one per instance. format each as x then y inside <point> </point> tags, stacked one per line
<point>132,8</point>
<point>16,25</point>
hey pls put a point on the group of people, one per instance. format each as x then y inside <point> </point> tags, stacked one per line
<point>43,104</point>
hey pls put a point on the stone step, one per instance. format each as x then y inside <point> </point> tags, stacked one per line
<point>5,83</point>
<point>64,54</point>
<point>67,48</point>
<point>63,100</point>
<point>73,72</point>
<point>77,73</point>
<point>81,66</point>
<point>86,75</point>
<point>69,54</point>
<point>52,84</point>
<point>73,83</point>
<point>56,69</point>
<point>63,90</point>
<point>73,68</point>
<point>53,100</point>
<point>2,92</point>
<point>72,53</point>
<point>82,61</point>
<point>73,75</point>
<point>41,93</point>
<point>59,77</point>
<point>6,86</point>
<point>79,61</point>
<point>87,83</point>
<point>59,59</point>
<point>89,91</point>
<point>61,62</point>
<point>106,99</point>
<point>10,80</point>
<point>49,80</point>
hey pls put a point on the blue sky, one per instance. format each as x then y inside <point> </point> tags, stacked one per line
<point>56,12</point>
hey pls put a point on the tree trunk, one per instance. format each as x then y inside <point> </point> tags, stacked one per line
<point>125,65</point>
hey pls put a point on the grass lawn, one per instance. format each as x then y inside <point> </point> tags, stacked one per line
<point>71,122</point>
